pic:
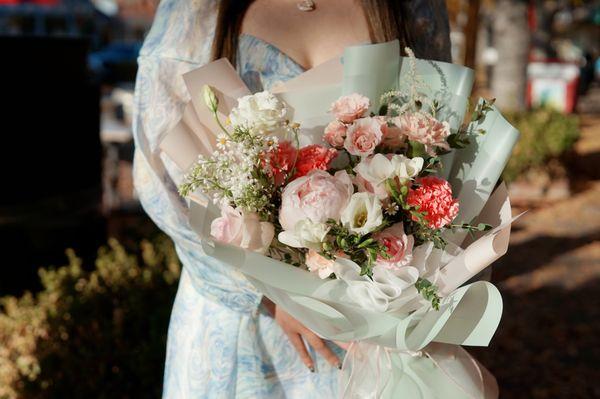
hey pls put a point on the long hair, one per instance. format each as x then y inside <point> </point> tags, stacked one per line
<point>385,19</point>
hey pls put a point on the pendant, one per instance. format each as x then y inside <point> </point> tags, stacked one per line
<point>306,5</point>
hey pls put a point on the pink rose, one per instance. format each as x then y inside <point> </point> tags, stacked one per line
<point>424,129</point>
<point>348,108</point>
<point>318,196</point>
<point>244,230</point>
<point>399,247</point>
<point>363,136</point>
<point>319,264</point>
<point>434,198</point>
<point>335,133</point>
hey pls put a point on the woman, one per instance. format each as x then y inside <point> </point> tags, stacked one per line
<point>225,341</point>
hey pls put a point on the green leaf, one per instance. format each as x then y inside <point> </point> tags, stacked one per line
<point>416,150</point>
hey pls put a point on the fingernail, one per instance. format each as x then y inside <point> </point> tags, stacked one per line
<point>339,366</point>
<point>311,368</point>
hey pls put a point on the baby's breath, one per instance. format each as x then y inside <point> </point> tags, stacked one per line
<point>236,172</point>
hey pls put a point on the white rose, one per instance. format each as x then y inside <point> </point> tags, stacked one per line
<point>406,168</point>
<point>306,234</point>
<point>262,111</point>
<point>363,213</point>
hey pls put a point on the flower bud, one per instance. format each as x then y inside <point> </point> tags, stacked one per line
<point>210,98</point>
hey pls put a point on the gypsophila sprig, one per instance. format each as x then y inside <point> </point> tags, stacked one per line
<point>238,172</point>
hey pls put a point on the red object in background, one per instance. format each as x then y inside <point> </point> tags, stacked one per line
<point>37,2</point>
<point>552,84</point>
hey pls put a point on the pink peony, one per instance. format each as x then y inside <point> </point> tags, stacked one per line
<point>281,160</point>
<point>399,246</point>
<point>244,230</point>
<point>434,196</point>
<point>424,129</point>
<point>319,264</point>
<point>335,133</point>
<point>318,196</point>
<point>363,136</point>
<point>348,108</point>
<point>314,157</point>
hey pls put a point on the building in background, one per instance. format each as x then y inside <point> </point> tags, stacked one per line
<point>528,53</point>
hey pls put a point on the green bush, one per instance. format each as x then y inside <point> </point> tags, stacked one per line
<point>545,134</point>
<point>98,334</point>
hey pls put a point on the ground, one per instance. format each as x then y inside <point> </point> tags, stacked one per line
<point>547,344</point>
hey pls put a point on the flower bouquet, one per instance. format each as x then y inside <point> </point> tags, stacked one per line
<point>354,197</point>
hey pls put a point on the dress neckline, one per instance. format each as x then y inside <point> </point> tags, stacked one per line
<point>273,47</point>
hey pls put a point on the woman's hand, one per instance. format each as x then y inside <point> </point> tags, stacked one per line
<point>297,334</point>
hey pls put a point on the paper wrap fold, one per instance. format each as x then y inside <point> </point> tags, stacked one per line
<point>415,346</point>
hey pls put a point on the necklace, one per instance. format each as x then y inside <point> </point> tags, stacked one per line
<point>306,5</point>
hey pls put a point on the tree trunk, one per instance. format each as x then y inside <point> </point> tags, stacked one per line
<point>511,40</point>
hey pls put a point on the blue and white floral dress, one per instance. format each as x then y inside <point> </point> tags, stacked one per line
<point>221,342</point>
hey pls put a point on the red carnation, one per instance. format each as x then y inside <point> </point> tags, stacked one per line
<point>314,157</point>
<point>281,160</point>
<point>434,196</point>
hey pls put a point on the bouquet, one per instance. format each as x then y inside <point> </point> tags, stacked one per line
<point>355,198</point>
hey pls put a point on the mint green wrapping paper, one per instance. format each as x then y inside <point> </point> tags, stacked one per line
<point>411,351</point>
<point>478,167</point>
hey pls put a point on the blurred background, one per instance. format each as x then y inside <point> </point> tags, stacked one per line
<point>87,281</point>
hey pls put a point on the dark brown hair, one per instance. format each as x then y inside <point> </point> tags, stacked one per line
<point>384,18</point>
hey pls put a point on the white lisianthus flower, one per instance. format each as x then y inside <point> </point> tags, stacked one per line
<point>363,213</point>
<point>376,169</point>
<point>306,234</point>
<point>406,168</point>
<point>262,111</point>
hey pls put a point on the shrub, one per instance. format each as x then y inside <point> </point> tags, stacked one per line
<point>545,135</point>
<point>98,334</point>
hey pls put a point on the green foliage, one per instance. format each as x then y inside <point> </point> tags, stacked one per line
<point>429,291</point>
<point>545,134</point>
<point>91,334</point>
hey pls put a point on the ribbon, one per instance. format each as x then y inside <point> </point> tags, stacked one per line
<point>439,371</point>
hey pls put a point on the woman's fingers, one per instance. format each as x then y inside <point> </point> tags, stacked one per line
<point>298,344</point>
<point>322,349</point>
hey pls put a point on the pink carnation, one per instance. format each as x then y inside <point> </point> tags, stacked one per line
<point>398,246</point>
<point>348,108</point>
<point>313,157</point>
<point>363,136</point>
<point>424,129</point>
<point>434,196</point>
<point>335,133</point>
<point>392,136</point>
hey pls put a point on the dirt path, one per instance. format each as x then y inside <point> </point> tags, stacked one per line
<point>548,343</point>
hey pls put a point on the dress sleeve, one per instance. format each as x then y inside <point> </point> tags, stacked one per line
<point>428,29</point>
<point>178,41</point>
